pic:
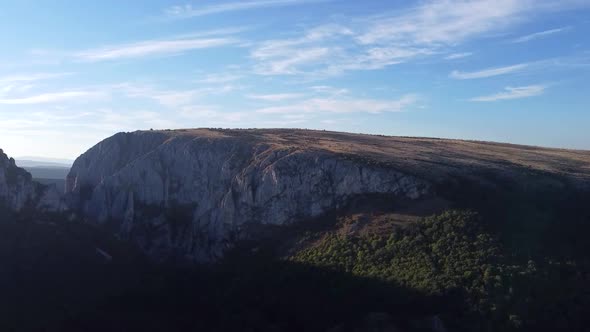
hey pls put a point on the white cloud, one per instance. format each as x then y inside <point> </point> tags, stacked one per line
<point>231,30</point>
<point>219,78</point>
<point>14,87</point>
<point>513,93</point>
<point>171,98</point>
<point>207,115</point>
<point>67,133</point>
<point>316,47</point>
<point>151,48</point>
<point>545,65</point>
<point>446,22</point>
<point>329,90</point>
<point>433,27</point>
<point>539,35</point>
<point>24,82</point>
<point>377,58</point>
<point>490,72</point>
<point>54,97</point>
<point>458,55</point>
<point>276,97</point>
<point>288,57</point>
<point>116,120</point>
<point>175,98</point>
<point>282,47</point>
<point>32,77</point>
<point>342,105</point>
<point>188,11</point>
<point>290,65</point>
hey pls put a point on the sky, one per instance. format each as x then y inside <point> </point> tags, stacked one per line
<point>74,73</point>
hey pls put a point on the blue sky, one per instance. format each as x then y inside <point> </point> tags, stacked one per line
<point>73,73</point>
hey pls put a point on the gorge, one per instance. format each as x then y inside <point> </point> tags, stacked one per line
<point>483,225</point>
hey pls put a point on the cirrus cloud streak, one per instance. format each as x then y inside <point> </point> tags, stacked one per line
<point>513,93</point>
<point>343,105</point>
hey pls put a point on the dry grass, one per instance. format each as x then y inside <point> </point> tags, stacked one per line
<point>429,157</point>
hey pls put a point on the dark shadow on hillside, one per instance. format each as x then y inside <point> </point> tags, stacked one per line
<point>537,215</point>
<point>66,276</point>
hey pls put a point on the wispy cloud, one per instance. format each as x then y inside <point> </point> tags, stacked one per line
<point>546,65</point>
<point>24,82</point>
<point>539,35</point>
<point>171,98</point>
<point>15,88</point>
<point>328,50</point>
<point>376,42</point>
<point>513,93</point>
<point>329,90</point>
<point>19,84</point>
<point>445,22</point>
<point>490,72</point>
<point>151,48</point>
<point>32,77</point>
<point>455,56</point>
<point>219,78</point>
<point>343,105</point>
<point>211,115</point>
<point>293,56</point>
<point>164,98</point>
<point>336,48</point>
<point>377,58</point>
<point>116,120</point>
<point>321,34</point>
<point>54,97</point>
<point>290,65</point>
<point>188,11</point>
<point>276,97</point>
<point>452,22</point>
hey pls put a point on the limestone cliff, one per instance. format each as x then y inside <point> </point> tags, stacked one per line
<point>192,192</point>
<point>18,190</point>
<point>16,185</point>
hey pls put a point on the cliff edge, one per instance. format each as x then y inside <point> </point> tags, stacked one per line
<point>193,192</point>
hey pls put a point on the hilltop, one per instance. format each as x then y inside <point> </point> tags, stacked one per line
<point>429,157</point>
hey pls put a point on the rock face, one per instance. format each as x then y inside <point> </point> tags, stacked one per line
<point>192,192</point>
<point>16,185</point>
<point>18,190</point>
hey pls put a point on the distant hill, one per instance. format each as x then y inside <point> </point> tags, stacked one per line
<point>48,172</point>
<point>45,169</point>
<point>42,163</point>
<point>49,175</point>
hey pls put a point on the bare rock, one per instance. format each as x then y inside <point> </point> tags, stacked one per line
<point>16,184</point>
<point>193,193</point>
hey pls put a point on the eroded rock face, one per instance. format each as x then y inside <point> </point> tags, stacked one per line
<point>16,184</point>
<point>18,190</point>
<point>192,194</point>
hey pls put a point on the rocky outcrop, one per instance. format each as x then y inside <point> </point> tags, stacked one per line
<point>192,193</point>
<point>18,190</point>
<point>16,184</point>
